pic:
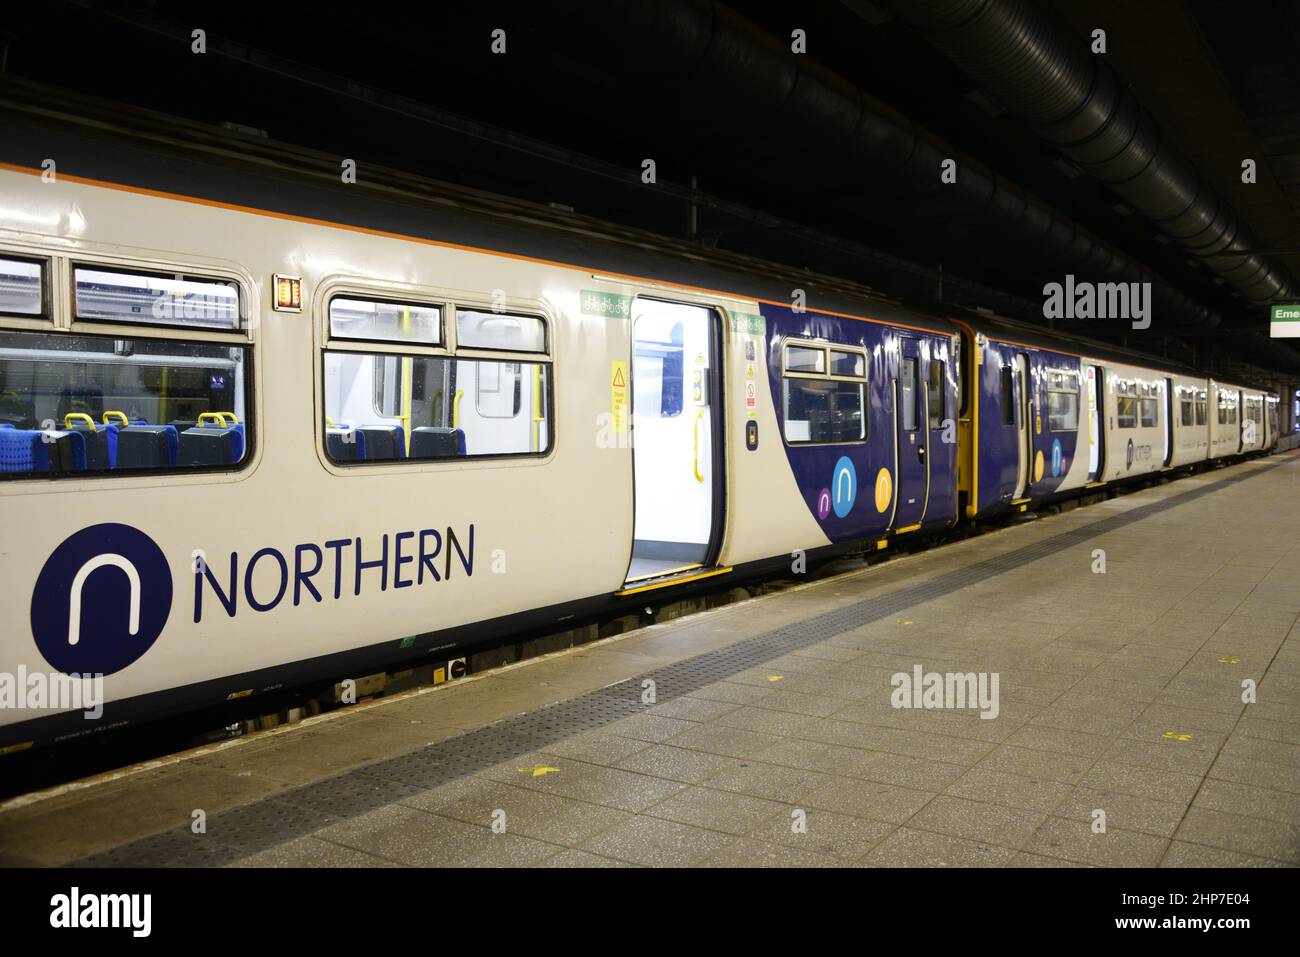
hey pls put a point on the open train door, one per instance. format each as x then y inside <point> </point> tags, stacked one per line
<point>1096,436</point>
<point>677,454</point>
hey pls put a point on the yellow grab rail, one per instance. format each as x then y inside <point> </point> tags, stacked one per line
<point>455,408</point>
<point>699,414</point>
<point>125,421</point>
<point>67,420</point>
<point>220,418</point>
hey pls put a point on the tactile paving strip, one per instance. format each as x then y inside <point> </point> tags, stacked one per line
<point>248,829</point>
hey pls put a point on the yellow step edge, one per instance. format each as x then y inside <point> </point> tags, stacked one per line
<point>674,581</point>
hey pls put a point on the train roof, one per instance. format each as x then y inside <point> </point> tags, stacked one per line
<point>103,142</point>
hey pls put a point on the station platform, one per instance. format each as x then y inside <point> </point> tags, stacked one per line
<point>773,737</point>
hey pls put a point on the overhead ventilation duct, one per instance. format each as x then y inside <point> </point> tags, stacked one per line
<point>1076,102</point>
<point>738,75</point>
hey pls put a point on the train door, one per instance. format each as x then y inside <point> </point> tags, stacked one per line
<point>1095,433</point>
<point>1023,434</point>
<point>676,438</point>
<point>909,421</point>
<point>1169,421</point>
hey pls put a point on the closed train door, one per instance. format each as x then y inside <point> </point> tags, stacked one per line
<point>1024,436</point>
<point>677,459</point>
<point>911,435</point>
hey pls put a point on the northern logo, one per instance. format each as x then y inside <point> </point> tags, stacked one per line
<point>101,600</point>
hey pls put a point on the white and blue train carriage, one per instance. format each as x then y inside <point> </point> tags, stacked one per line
<point>260,428</point>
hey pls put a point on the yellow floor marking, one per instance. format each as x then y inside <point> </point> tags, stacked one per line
<point>775,677</point>
<point>1229,661</point>
<point>539,770</point>
<point>1176,736</point>
<point>904,621</point>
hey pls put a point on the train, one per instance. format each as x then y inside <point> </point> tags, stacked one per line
<point>261,425</point>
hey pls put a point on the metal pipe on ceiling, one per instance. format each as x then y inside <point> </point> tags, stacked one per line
<point>1075,101</point>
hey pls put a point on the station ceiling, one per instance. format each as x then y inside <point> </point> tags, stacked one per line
<point>586,91</point>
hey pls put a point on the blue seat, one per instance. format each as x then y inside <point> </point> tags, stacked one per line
<point>146,446</point>
<point>340,443</point>
<point>210,445</point>
<point>31,450</point>
<point>378,443</point>
<point>101,443</point>
<point>428,442</point>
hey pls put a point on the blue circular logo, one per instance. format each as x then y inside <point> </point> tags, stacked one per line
<point>1056,457</point>
<point>844,486</point>
<point>101,600</point>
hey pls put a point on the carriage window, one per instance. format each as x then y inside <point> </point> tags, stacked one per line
<point>385,407</point>
<point>823,410</point>
<point>375,321</point>
<point>21,288</point>
<point>1126,411</point>
<point>1185,411</point>
<point>820,405</point>
<point>104,295</point>
<point>1201,418</point>
<point>1008,400</point>
<point>1148,413</point>
<point>76,405</point>
<point>1227,409</point>
<point>1063,411</point>
<point>936,394</point>
<point>498,330</point>
<point>847,363</point>
<point>1062,401</point>
<point>803,359</point>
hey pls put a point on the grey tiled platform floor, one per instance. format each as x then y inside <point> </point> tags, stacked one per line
<point>1119,691</point>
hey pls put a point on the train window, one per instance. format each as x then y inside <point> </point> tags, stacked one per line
<point>1201,417</point>
<point>821,405</point>
<point>1186,414</point>
<point>1227,409</point>
<point>22,288</point>
<point>386,407</point>
<point>77,405</point>
<point>907,394</point>
<point>374,321</point>
<point>1008,398</point>
<point>1148,413</point>
<point>804,359</point>
<point>1062,411</point>
<point>847,363</point>
<point>1126,411</point>
<point>935,394</point>
<point>499,330</point>
<point>112,295</point>
<point>823,410</point>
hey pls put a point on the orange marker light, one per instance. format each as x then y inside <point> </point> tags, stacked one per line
<point>288,293</point>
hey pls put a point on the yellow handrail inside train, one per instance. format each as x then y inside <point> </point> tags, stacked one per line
<point>67,419</point>
<point>122,415</point>
<point>219,417</point>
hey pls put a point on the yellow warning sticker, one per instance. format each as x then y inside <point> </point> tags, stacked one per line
<point>618,395</point>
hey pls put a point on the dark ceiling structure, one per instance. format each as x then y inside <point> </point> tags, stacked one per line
<point>1124,166</point>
